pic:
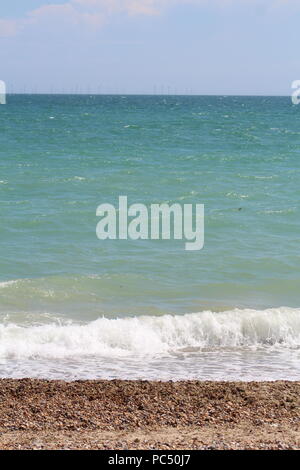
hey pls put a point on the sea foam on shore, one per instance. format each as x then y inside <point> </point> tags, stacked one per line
<point>238,344</point>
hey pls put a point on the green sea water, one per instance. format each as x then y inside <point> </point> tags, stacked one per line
<point>74,306</point>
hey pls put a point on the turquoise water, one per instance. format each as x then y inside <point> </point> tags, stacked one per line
<point>74,306</point>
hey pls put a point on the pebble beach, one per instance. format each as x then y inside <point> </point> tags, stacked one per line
<point>120,415</point>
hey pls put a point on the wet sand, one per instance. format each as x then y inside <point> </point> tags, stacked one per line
<point>39,414</point>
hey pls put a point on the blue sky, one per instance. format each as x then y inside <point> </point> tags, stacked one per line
<point>146,46</point>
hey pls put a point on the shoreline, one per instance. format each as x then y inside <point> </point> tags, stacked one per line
<point>118,414</point>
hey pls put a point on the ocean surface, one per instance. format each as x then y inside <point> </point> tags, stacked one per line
<point>75,307</point>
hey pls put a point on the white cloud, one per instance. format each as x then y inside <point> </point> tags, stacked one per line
<point>66,12</point>
<point>94,13</point>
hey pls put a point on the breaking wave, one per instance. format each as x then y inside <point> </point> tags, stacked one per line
<point>153,335</point>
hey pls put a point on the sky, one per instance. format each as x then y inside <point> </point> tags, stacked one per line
<point>237,47</point>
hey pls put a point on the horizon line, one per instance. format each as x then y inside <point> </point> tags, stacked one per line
<point>147,94</point>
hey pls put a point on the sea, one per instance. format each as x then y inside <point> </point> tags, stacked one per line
<point>74,307</point>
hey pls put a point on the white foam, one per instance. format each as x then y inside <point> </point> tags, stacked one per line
<point>154,336</point>
<point>7,283</point>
